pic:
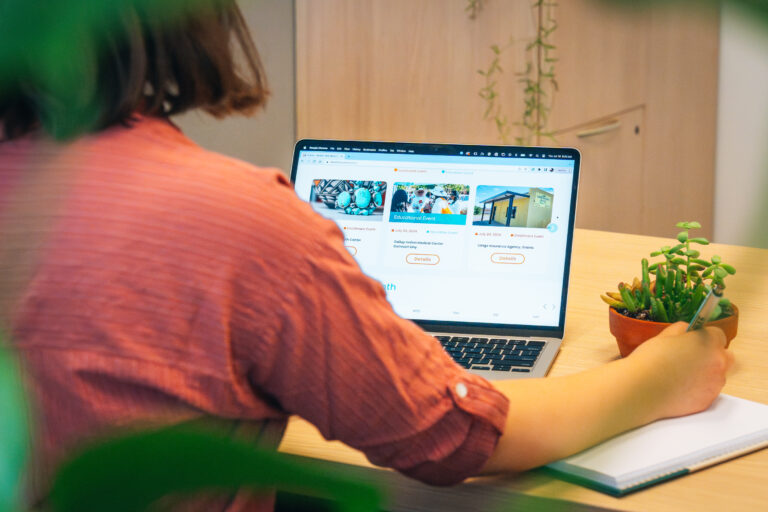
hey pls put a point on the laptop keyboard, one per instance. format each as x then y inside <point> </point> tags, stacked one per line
<point>492,353</point>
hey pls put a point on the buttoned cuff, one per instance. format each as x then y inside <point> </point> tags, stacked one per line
<point>478,397</point>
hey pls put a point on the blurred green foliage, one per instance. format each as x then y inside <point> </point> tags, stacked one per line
<point>14,435</point>
<point>756,8</point>
<point>51,47</point>
<point>130,473</point>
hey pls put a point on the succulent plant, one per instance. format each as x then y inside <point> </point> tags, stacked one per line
<point>681,280</point>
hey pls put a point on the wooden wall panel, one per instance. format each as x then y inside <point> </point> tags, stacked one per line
<point>403,69</point>
<point>681,120</point>
<point>407,70</point>
<point>602,56</point>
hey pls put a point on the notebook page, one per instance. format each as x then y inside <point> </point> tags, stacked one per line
<point>675,441</point>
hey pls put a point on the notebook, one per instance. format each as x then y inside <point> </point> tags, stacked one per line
<point>669,448</point>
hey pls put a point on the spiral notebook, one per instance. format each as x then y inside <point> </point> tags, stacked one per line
<point>669,448</point>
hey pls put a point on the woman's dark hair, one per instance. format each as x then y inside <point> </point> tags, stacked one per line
<point>150,64</point>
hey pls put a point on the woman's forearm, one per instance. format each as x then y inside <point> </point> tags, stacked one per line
<point>554,417</point>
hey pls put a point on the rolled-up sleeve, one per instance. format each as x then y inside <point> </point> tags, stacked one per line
<point>322,342</point>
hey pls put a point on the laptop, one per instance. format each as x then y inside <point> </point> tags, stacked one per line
<point>473,243</point>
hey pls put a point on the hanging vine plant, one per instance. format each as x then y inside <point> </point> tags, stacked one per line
<point>538,79</point>
<point>473,8</point>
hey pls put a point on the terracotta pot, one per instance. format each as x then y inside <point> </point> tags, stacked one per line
<point>630,332</point>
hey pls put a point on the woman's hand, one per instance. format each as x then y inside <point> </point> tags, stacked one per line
<point>690,368</point>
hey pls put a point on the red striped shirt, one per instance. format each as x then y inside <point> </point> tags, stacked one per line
<point>148,281</point>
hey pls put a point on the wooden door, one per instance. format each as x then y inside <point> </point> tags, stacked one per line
<point>662,62</point>
<point>611,185</point>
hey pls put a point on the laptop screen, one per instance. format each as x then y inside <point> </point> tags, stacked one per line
<point>457,235</point>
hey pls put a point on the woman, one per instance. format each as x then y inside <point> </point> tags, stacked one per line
<point>147,281</point>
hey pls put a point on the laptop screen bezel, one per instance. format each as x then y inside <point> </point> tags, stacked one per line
<point>414,148</point>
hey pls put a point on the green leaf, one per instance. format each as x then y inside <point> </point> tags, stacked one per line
<point>676,248</point>
<point>678,261</point>
<point>694,225</point>
<point>699,240</point>
<point>698,295</point>
<point>131,472</point>
<point>655,253</point>
<point>13,431</point>
<point>682,236</point>
<point>669,285</point>
<point>658,310</point>
<point>678,284</point>
<point>683,225</point>
<point>716,259</point>
<point>692,253</point>
<point>628,299</point>
<point>661,277</point>
<point>705,263</point>
<point>728,268</point>
<point>644,271</point>
<point>645,296</point>
<point>720,272</point>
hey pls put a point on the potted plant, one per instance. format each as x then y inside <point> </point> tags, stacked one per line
<point>682,279</point>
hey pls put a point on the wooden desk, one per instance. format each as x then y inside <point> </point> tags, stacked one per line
<point>600,261</point>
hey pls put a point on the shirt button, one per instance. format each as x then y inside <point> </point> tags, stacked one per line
<point>461,390</point>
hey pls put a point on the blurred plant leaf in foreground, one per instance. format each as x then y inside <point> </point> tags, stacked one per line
<point>51,48</point>
<point>755,8</point>
<point>131,472</point>
<point>13,430</point>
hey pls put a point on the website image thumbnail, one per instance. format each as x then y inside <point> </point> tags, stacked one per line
<point>430,203</point>
<point>513,207</point>
<point>349,200</point>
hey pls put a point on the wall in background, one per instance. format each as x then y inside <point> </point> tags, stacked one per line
<point>268,138</point>
<point>741,175</point>
<point>638,92</point>
<point>741,181</point>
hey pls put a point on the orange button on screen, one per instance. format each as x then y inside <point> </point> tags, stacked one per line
<point>507,258</point>
<point>422,259</point>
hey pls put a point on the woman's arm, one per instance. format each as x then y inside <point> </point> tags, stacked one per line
<point>672,375</point>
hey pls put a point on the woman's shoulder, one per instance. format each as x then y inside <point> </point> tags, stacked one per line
<point>155,154</point>
<point>194,181</point>
<point>159,141</point>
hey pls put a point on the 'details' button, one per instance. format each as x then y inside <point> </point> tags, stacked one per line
<point>507,258</point>
<point>422,259</point>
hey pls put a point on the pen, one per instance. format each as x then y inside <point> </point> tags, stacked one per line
<point>705,310</point>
